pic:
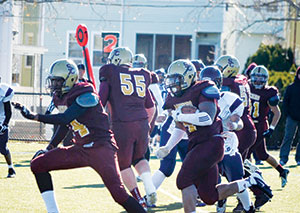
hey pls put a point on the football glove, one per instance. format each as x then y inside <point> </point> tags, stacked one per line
<point>24,111</point>
<point>162,152</point>
<point>268,133</point>
<point>3,128</point>
<point>40,152</point>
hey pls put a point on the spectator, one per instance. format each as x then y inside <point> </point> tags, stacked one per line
<point>291,106</point>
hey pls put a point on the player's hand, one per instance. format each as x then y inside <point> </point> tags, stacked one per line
<point>268,133</point>
<point>162,152</point>
<point>3,128</point>
<point>24,111</point>
<point>38,153</point>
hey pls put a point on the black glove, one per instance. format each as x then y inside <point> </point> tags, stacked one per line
<point>38,153</point>
<point>3,128</point>
<point>24,111</point>
<point>268,133</point>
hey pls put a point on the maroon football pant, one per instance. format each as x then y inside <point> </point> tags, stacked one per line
<point>246,136</point>
<point>132,139</point>
<point>200,167</point>
<point>260,144</point>
<point>103,159</point>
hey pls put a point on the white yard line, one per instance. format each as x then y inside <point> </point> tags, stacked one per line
<point>178,199</point>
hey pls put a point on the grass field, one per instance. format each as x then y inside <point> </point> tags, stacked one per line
<point>81,190</point>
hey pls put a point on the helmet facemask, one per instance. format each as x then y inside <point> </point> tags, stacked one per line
<point>174,84</point>
<point>259,81</point>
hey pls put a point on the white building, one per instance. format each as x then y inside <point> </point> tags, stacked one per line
<point>162,30</point>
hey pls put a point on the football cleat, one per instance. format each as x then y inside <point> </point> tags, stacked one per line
<point>239,207</point>
<point>200,203</point>
<point>283,177</point>
<point>142,202</point>
<point>11,173</point>
<point>151,200</point>
<point>257,180</point>
<point>221,206</point>
<point>261,200</point>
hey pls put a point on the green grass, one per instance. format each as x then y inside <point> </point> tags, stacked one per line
<point>82,190</point>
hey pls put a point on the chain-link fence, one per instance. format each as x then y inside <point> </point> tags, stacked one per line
<point>27,130</point>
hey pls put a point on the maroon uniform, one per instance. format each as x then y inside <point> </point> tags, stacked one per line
<point>94,145</point>
<point>259,112</point>
<point>247,135</point>
<point>126,89</point>
<point>205,147</point>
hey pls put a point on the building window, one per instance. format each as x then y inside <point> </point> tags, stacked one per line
<point>74,50</point>
<point>97,50</point>
<point>206,53</point>
<point>29,61</point>
<point>167,48</point>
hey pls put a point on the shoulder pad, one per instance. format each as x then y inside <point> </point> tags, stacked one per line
<point>211,92</point>
<point>273,101</point>
<point>87,100</point>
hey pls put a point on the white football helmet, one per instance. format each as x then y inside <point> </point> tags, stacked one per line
<point>259,77</point>
<point>180,76</point>
<point>63,75</point>
<point>139,61</point>
<point>229,65</point>
<point>120,56</point>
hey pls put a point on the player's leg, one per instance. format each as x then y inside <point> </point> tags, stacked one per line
<point>142,165</point>
<point>233,168</point>
<point>58,158</point>
<point>6,153</point>
<point>125,137</point>
<point>104,161</point>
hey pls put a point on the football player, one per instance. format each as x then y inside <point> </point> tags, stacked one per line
<point>126,89</point>
<point>6,94</point>
<point>263,99</point>
<point>94,142</point>
<point>231,111</point>
<point>199,171</point>
<point>237,83</point>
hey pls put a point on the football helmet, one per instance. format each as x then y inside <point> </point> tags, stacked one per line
<point>229,65</point>
<point>139,61</point>
<point>120,56</point>
<point>180,76</point>
<point>62,77</point>
<point>212,73</point>
<point>259,77</point>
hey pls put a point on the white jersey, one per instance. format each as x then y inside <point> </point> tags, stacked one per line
<point>172,126</point>
<point>230,104</point>
<point>6,94</point>
<point>231,143</point>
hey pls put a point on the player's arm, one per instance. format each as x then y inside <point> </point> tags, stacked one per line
<point>149,106</point>
<point>103,91</point>
<point>176,136</point>
<point>273,104</point>
<point>207,109</point>
<point>7,112</point>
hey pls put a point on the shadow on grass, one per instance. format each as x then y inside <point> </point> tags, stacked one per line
<point>24,163</point>
<point>85,186</point>
<point>164,208</point>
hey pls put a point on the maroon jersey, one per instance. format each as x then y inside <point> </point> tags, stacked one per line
<point>193,96</point>
<point>239,85</point>
<point>91,126</point>
<point>259,102</point>
<point>154,78</point>
<point>128,89</point>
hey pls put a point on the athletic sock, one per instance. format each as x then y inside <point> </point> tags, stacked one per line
<point>157,178</point>
<point>136,194</point>
<point>280,169</point>
<point>245,199</point>
<point>49,199</point>
<point>148,184</point>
